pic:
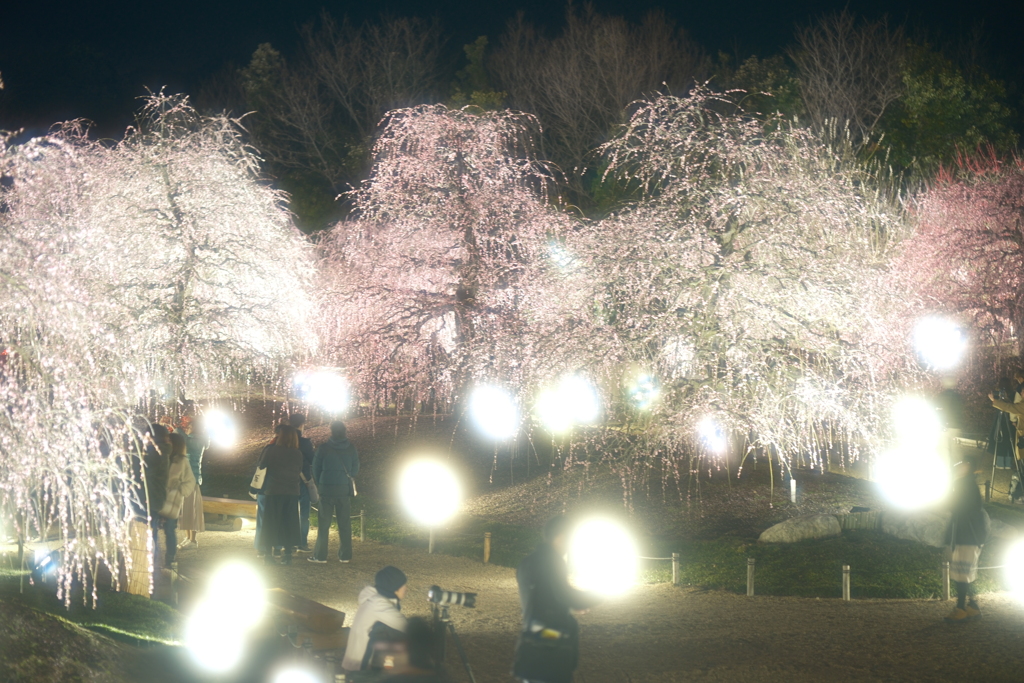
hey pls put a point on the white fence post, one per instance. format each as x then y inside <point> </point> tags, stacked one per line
<point>750,577</point>
<point>675,569</point>
<point>945,580</point>
<point>362,526</point>
<point>846,582</point>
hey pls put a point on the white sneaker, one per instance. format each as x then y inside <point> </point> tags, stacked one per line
<point>345,561</point>
<point>315,561</point>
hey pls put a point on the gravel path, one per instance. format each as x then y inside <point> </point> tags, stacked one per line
<point>660,633</point>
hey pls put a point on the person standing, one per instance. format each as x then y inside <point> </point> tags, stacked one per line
<point>192,520</point>
<point>156,463</point>
<point>548,647</point>
<point>380,603</point>
<point>280,523</point>
<point>297,420</point>
<point>335,464</point>
<point>967,533</point>
<point>180,485</point>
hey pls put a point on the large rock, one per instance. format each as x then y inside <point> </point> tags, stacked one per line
<point>802,529</point>
<point>1003,531</point>
<point>928,528</point>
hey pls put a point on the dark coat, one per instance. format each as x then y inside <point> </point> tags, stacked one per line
<point>970,523</point>
<point>157,465</point>
<point>306,448</point>
<point>547,600</point>
<point>334,463</point>
<point>283,467</point>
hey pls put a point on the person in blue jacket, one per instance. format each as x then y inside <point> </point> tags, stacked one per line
<point>297,420</point>
<point>335,464</point>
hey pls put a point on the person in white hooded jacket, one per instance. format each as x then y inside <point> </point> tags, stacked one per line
<point>379,603</point>
<point>180,484</point>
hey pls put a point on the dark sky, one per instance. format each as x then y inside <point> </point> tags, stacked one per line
<point>62,60</point>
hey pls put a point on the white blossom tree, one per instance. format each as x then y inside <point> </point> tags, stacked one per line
<point>426,285</point>
<point>159,261</point>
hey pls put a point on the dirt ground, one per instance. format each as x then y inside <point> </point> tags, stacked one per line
<point>660,633</point>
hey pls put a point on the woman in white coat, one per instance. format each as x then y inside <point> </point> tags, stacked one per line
<point>379,603</point>
<point>181,482</point>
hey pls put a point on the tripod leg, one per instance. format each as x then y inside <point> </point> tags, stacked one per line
<point>462,652</point>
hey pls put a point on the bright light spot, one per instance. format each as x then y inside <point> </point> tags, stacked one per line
<point>913,474</point>
<point>296,675</point>
<point>573,401</point>
<point>917,422</point>
<point>643,391</point>
<point>216,631</point>
<point>324,388</point>
<point>712,435</point>
<point>939,343</point>
<point>212,646</point>
<point>1013,571</point>
<point>561,256</point>
<point>602,557</point>
<point>494,412</point>
<point>430,492</point>
<point>221,428</point>
<point>236,589</point>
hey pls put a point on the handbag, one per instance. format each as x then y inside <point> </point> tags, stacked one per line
<point>314,492</point>
<point>258,480</point>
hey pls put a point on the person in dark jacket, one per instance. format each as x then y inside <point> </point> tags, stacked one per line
<point>306,448</point>
<point>335,464</point>
<point>153,480</point>
<point>547,650</point>
<point>967,533</point>
<point>283,461</point>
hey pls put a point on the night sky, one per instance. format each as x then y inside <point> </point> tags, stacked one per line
<point>62,61</point>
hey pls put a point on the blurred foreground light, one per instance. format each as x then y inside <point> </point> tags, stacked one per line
<point>912,479</point>
<point>916,423</point>
<point>213,646</point>
<point>602,557</point>
<point>574,401</point>
<point>494,411</point>
<point>1013,569</point>
<point>294,674</point>
<point>712,435</point>
<point>429,491</point>
<point>216,631</point>
<point>939,342</point>
<point>643,391</point>
<point>324,388</point>
<point>220,428</point>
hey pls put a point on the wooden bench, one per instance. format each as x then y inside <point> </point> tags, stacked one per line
<point>229,506</point>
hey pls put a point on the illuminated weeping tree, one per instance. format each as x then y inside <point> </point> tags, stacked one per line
<point>161,261</point>
<point>740,299</point>
<point>426,287</point>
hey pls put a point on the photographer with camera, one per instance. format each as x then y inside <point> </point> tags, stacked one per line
<point>379,616</point>
<point>548,647</point>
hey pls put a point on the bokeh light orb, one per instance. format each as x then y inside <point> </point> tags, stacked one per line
<point>494,412</point>
<point>643,391</point>
<point>574,401</point>
<point>913,474</point>
<point>295,674</point>
<point>430,492</point>
<point>1013,569</point>
<point>236,591</point>
<point>324,388</point>
<point>602,557</point>
<point>712,435</point>
<point>220,428</point>
<point>213,645</point>
<point>940,343</point>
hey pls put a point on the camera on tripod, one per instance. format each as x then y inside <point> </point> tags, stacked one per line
<point>443,597</point>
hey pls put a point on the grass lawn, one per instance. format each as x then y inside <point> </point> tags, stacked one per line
<point>122,616</point>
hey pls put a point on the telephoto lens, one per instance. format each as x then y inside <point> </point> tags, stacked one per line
<point>443,597</point>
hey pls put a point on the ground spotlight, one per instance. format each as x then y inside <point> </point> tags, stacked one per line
<point>494,411</point>
<point>913,474</point>
<point>1013,569</point>
<point>220,428</point>
<point>429,491</point>
<point>296,674</point>
<point>939,342</point>
<point>602,557</point>
<point>573,401</point>
<point>325,388</point>
<point>712,435</point>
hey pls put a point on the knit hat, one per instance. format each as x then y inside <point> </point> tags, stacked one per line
<point>389,580</point>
